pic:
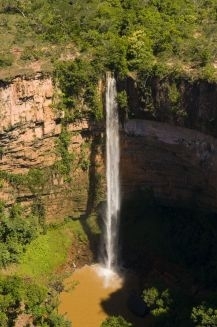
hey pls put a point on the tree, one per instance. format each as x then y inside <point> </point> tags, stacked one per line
<point>15,235</point>
<point>35,300</point>
<point>203,316</point>
<point>140,53</point>
<point>158,302</point>
<point>115,321</point>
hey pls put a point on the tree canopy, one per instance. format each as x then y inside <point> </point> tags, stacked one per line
<point>122,35</point>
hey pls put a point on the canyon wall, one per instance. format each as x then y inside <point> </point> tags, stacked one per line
<point>30,149</point>
<point>168,144</point>
<point>178,164</point>
<point>176,100</point>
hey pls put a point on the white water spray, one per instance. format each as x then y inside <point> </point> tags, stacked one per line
<point>112,175</point>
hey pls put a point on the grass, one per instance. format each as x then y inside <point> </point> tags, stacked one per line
<point>46,253</point>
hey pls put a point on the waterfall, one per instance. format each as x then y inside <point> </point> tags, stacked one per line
<point>112,175</point>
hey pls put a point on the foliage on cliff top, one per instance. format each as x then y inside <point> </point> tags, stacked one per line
<point>121,35</point>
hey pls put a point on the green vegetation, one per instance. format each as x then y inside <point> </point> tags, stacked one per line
<point>19,296</point>
<point>5,61</point>
<point>43,255</point>
<point>114,35</point>
<point>176,250</point>
<point>69,161</point>
<point>78,44</point>
<point>203,316</point>
<point>115,322</point>
<point>35,179</point>
<point>78,82</point>
<point>15,234</point>
<point>84,161</point>
<point>64,165</point>
<point>33,288</point>
<point>122,100</point>
<point>158,302</point>
<point>176,307</point>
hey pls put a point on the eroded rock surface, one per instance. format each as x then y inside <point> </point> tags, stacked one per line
<point>178,164</point>
<point>29,131</point>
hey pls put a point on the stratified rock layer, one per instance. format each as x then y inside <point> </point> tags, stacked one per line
<point>178,164</point>
<point>29,132</point>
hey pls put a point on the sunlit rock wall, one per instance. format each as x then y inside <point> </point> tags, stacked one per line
<point>29,130</point>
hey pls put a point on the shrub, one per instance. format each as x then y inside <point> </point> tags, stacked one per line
<point>158,302</point>
<point>115,322</point>
<point>203,316</point>
<point>36,300</point>
<point>15,234</point>
<point>6,61</point>
<point>122,100</point>
<point>78,82</point>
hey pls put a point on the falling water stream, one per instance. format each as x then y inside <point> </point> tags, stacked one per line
<point>112,176</point>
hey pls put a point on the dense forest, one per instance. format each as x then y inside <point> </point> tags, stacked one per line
<point>76,42</point>
<point>125,36</point>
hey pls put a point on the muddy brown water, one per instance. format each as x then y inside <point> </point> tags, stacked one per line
<point>89,298</point>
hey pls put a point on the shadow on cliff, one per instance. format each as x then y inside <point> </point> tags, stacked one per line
<point>94,180</point>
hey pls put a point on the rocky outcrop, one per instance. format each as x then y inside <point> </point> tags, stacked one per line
<point>178,164</point>
<point>27,100</point>
<point>29,133</point>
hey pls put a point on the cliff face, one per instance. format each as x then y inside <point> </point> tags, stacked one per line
<point>29,134</point>
<point>177,163</point>
<point>27,126</point>
<point>170,144</point>
<point>26,100</point>
<point>177,101</point>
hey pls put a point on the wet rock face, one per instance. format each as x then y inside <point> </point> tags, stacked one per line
<point>178,164</point>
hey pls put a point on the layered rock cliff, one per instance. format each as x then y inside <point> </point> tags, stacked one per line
<point>30,130</point>
<point>179,164</point>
